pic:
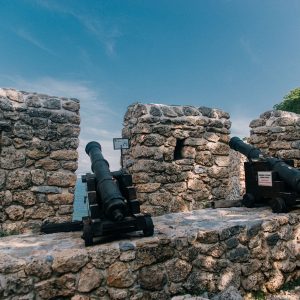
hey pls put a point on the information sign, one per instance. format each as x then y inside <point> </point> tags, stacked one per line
<point>264,178</point>
<point>120,143</point>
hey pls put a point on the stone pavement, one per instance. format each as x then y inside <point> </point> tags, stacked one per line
<point>190,253</point>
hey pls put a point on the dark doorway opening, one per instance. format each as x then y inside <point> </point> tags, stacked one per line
<point>178,151</point>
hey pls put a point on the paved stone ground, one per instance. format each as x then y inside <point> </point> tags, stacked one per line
<point>177,236</point>
<point>171,225</point>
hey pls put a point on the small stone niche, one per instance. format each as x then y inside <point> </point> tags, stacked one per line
<point>178,156</point>
<point>38,159</point>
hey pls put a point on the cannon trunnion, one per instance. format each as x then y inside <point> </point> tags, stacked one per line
<point>268,180</point>
<point>111,198</point>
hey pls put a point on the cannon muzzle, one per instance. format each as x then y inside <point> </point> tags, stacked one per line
<point>112,201</point>
<point>249,151</point>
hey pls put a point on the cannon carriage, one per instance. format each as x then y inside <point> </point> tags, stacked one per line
<point>112,205</point>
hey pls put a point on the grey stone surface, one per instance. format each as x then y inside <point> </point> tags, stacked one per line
<point>174,261</point>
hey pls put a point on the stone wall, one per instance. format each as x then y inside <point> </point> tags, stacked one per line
<point>178,156</point>
<point>38,157</point>
<point>195,252</point>
<point>237,175</point>
<point>277,133</point>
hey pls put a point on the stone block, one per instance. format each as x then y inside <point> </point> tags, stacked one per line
<point>148,281</point>
<point>25,198</point>
<point>15,212</point>
<point>61,179</point>
<point>90,278</point>
<point>119,275</point>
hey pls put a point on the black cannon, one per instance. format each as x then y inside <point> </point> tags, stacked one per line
<point>269,180</point>
<point>112,205</point>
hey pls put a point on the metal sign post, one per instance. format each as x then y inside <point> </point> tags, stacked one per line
<point>120,144</point>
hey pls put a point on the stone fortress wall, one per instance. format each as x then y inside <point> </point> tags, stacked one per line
<point>180,160</point>
<point>277,133</point>
<point>179,156</point>
<point>207,170</point>
<point>38,158</point>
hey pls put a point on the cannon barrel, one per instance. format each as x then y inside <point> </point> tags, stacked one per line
<point>288,174</point>
<point>249,151</point>
<point>112,201</point>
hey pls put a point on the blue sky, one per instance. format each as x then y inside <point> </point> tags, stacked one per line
<point>241,56</point>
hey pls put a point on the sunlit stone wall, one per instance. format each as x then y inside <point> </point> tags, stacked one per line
<point>277,133</point>
<point>38,158</point>
<point>178,156</point>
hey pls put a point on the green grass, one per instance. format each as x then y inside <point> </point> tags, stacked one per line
<point>259,295</point>
<point>291,285</point>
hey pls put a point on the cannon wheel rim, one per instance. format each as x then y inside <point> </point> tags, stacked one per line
<point>278,205</point>
<point>149,227</point>
<point>87,234</point>
<point>248,200</point>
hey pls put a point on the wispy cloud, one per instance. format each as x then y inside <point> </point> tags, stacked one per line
<point>105,33</point>
<point>96,115</point>
<point>28,36</point>
<point>240,125</point>
<point>249,50</point>
<point>106,36</point>
<point>53,86</point>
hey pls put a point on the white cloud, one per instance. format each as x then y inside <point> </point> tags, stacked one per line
<point>95,114</point>
<point>240,125</point>
<point>54,87</point>
<point>249,50</point>
<point>27,36</point>
<point>104,32</point>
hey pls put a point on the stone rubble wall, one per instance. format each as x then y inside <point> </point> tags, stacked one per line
<point>237,175</point>
<point>38,158</point>
<point>204,251</point>
<point>277,133</point>
<point>202,174</point>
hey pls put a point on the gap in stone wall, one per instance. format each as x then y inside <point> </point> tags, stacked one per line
<point>179,147</point>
